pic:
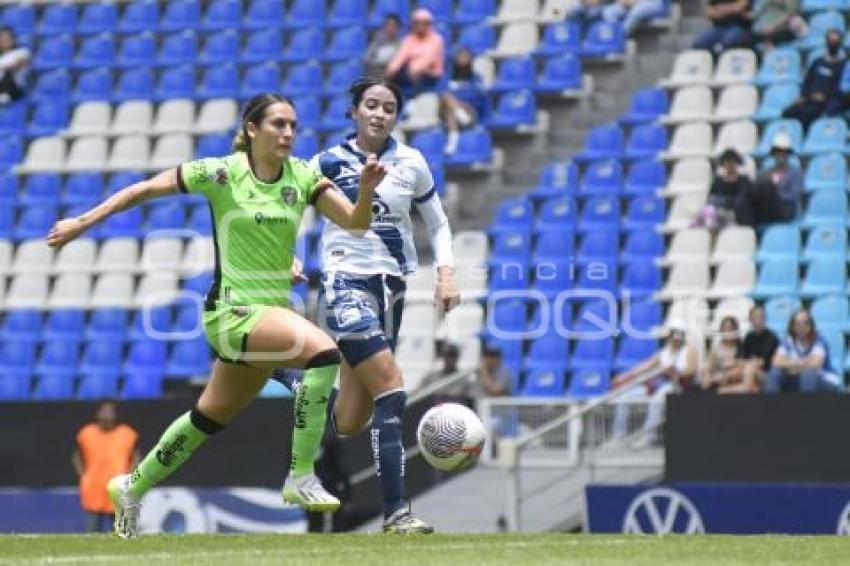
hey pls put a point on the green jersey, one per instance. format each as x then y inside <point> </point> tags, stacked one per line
<point>255,225</point>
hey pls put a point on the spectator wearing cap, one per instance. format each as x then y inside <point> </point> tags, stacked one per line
<point>730,26</point>
<point>728,185</point>
<point>465,101</point>
<point>820,93</point>
<point>383,47</point>
<point>14,65</point>
<point>494,379</point>
<point>418,65</point>
<point>777,194</point>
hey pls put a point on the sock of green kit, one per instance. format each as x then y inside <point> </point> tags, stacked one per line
<point>311,402</point>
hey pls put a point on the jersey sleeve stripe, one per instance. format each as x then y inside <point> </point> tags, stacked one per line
<point>321,187</point>
<point>426,196</point>
<point>181,184</point>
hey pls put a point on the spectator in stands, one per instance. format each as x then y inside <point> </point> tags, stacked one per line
<point>801,362</point>
<point>820,93</point>
<point>104,448</point>
<point>728,185</point>
<point>586,12</point>
<point>725,368</point>
<point>632,12</point>
<point>673,368</point>
<point>383,47</point>
<point>730,26</point>
<point>777,21</point>
<point>494,379</point>
<point>14,64</point>
<point>777,194</point>
<point>418,65</point>
<point>760,344</point>
<point>456,393</point>
<point>465,101</point>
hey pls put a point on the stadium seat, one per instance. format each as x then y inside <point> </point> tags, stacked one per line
<point>736,66</point>
<point>263,46</point>
<point>551,278</point>
<point>826,135</point>
<point>137,51</point>
<point>118,254</point>
<point>780,65</point>
<point>127,224</point>
<point>181,15</point>
<point>647,105</point>
<point>335,116</point>
<point>167,216</point>
<point>64,325</point>
<point>641,280</point>
<point>602,142</point>
<point>741,135</point>
<point>264,14</point>
<point>604,40</point>
<point>511,276</point>
<point>556,214</point>
<point>34,223</point>
<point>9,187</point>
<point>792,128</point>
<point>107,325</point>
<point>171,150</point>
<point>189,359</point>
<point>142,386</point>
<point>14,387</point>
<point>734,278</point>
<point>778,311</point>
<point>556,179</point>
<point>49,118</point>
<point>646,141</point>
<point>511,246</point>
<point>819,25</point>
<point>306,13</point>
<point>600,213</point>
<point>261,78</point>
<point>53,388</point>
<point>96,51</point>
<point>561,75</point>
<point>17,357</point>
<point>734,243</point>
<point>827,243</point>
<point>589,382</point>
<point>58,19</point>
<point>506,317</point>
<point>22,324</point>
<point>44,154</point>
<point>826,172</point>
<point>7,221</point>
<point>779,241</point>
<point>515,73</point>
<point>689,244</point>
<point>774,100</point>
<point>76,257</point>
<point>140,16</point>
<point>134,84</point>
<point>824,276</point>
<point>544,383</point>
<point>381,8</point>
<point>692,67</point>
<point>686,279</point>
<point>20,17</point>
<point>690,104</point>
<point>13,119</point>
<point>642,246</point>
<point>306,144</point>
<point>222,14</point>
<point>304,44</point>
<point>827,208</point>
<point>51,86</point>
<point>478,38</point>
<point>146,357</point>
<point>471,11</point>
<point>516,39</point>
<point>54,53</point>
<point>346,44</point>
<point>633,351</point>
<point>548,352</point>
<point>430,143</point>
<point>219,81</point>
<point>94,85</point>
<point>90,118</point>
<point>41,189</point>
<point>513,215</point>
<point>598,276</point>
<point>59,358</point>
<point>831,311</point>
<point>694,139</point>
<point>514,109</point>
<point>737,102</point>
<point>560,38</point>
<point>178,49</point>
<point>221,47</point>
<point>346,13</point>
<point>645,177</point>
<point>592,353</point>
<point>32,257</point>
<point>553,245</point>
<point>835,347</point>
<point>150,324</point>
<point>777,277</point>
<point>342,73</point>
<point>303,79</point>
<point>98,386</point>
<point>602,177</point>
<point>474,146</point>
<point>176,116</point>
<point>176,82</point>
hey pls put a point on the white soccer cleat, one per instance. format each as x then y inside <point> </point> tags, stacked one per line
<point>402,522</point>
<point>307,492</point>
<point>127,507</point>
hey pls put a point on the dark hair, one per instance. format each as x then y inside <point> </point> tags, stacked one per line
<point>731,154</point>
<point>811,322</point>
<point>392,16</point>
<point>360,86</point>
<point>731,319</point>
<point>104,402</point>
<point>254,112</point>
<point>755,308</point>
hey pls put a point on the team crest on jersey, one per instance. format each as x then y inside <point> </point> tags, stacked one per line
<point>289,195</point>
<point>220,176</point>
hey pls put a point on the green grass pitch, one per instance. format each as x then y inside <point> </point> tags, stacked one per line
<point>462,550</point>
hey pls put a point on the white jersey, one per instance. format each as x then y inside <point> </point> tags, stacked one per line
<point>388,245</point>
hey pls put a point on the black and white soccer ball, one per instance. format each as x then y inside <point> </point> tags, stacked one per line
<point>451,437</point>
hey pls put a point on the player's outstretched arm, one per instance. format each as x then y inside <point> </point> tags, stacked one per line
<point>67,229</point>
<point>357,218</point>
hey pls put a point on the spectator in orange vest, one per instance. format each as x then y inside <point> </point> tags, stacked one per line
<point>105,448</point>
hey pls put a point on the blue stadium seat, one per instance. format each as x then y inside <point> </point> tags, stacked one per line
<point>140,16</point>
<point>167,216</point>
<point>826,135</point>
<point>826,207</point>
<point>819,25</point>
<point>598,246</point>
<point>826,242</point>
<point>17,357</point>
<point>306,13</point>
<point>187,319</point>
<point>59,357</point>
<point>602,142</point>
<point>96,51</point>
<point>219,81</point>
<point>513,215</point>
<point>592,353</point>
<point>778,311</point>
<point>264,14</point>
<point>779,241</point>
<point>137,51</point>
<point>42,189</point>
<point>780,65</point>
<point>556,214</point>
<point>549,352</point>
<point>176,82</point>
<point>127,224</point>
<point>200,220</point>
<point>189,359</point>
<point>774,100</point>
<point>823,276</point>
<point>49,118</point>
<point>221,47</point>
<point>198,286</point>
<point>640,316</point>
<point>222,14</point>
<point>53,388</point>
<point>146,357</point>
<point>98,18</point>
<point>822,5</point>
<point>645,177</point>
<point>515,73</point>
<point>261,78</point>
<point>596,318</point>
<point>602,177</point>
<point>511,247</point>
<point>342,73</point>
<point>382,8</point>
<point>556,179</point>
<point>178,49</point>
<point>831,311</point>
<point>98,386</point>
<point>553,277</point>
<point>21,324</point>
<point>790,127</point>
<point>34,223</point>
<point>64,324</point>
<point>506,316</point>
<point>827,172</point>
<point>544,383</point>
<point>430,143</point>
<point>11,152</point>
<point>118,181</point>
<point>777,277</point>
<point>309,108</point>
<point>598,276</point>
<point>604,40</point>
<point>645,212</point>
<point>478,38</point>
<point>304,44</point>
<point>262,46</point>
<point>335,117</point>
<point>51,85</point>
<point>514,110</point>
<point>54,53</point>
<point>646,141</point>
<point>442,10</point>
<point>181,15</point>
<point>94,85</point>
<point>472,11</point>
<point>148,323</point>
<point>9,187</point>
<point>590,382</point>
<point>7,222</point>
<point>58,19</point>
<point>20,17</point>
<point>306,144</point>
<point>14,387</point>
<point>303,79</point>
<point>13,119</point>
<point>642,246</point>
<point>512,276</point>
<point>600,213</point>
<point>348,13</point>
<point>641,280</point>
<point>560,38</point>
<point>347,44</point>
<point>107,325</point>
<point>561,74</point>
<point>835,347</point>
<point>134,84</point>
<point>213,145</point>
<point>633,351</point>
<point>553,245</point>
<point>142,386</point>
<point>647,105</point>
<point>474,146</point>
<point>83,189</point>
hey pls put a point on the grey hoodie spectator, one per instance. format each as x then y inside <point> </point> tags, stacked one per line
<point>383,46</point>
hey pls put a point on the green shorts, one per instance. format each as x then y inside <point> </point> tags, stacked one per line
<point>228,326</point>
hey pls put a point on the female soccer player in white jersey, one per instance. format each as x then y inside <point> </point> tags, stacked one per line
<point>363,297</point>
<point>257,196</point>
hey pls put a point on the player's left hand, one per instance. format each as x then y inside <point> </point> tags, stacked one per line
<point>298,271</point>
<point>446,294</point>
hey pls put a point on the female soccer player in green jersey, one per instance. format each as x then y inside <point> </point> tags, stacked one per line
<point>257,196</point>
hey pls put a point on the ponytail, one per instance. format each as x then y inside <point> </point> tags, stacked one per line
<point>240,141</point>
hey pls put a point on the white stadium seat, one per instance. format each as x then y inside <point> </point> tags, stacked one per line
<point>485,67</point>
<point>71,290</point>
<point>6,252</point>
<point>171,150</point>
<point>693,139</point>
<point>692,67</point>
<point>736,102</point>
<point>689,175</point>
<point>113,290</point>
<point>517,39</point>
<point>199,257</point>
<point>690,104</point>
<point>689,244</point>
<point>734,278</point>
<point>415,355</point>
<point>87,154</point>
<point>741,135</point>
<point>420,285</point>
<point>27,291</point>
<point>90,118</point>
<point>162,255</point>
<point>471,281</point>
<point>218,115</point>
<point>736,307</point>
<point>157,289</point>
<point>45,154</point>
<point>133,117</point>
<point>77,256</point>
<point>692,314</point>
<point>736,66</point>
<point>470,247</point>
<point>734,243</point>
<point>174,116</point>
<point>32,256</point>
<point>118,254</point>
<point>683,210</point>
<point>130,152</point>
<point>517,11</point>
<point>420,319</point>
<point>422,112</point>
<point>462,324</point>
<point>686,279</point>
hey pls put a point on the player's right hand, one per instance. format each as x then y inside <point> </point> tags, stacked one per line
<point>373,173</point>
<point>64,231</point>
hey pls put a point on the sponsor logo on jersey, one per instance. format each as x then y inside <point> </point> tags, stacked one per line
<point>289,195</point>
<point>261,219</point>
<point>381,213</point>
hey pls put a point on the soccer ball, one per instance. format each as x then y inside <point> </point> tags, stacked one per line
<point>451,437</point>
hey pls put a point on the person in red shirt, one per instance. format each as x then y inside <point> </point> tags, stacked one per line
<point>105,449</point>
